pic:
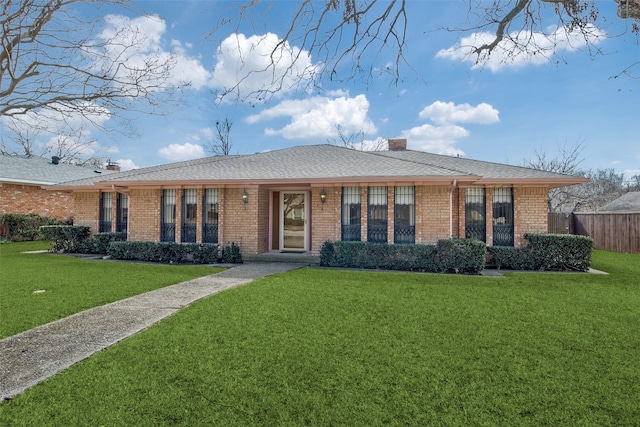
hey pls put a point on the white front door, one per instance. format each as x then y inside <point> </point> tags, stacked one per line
<point>293,221</point>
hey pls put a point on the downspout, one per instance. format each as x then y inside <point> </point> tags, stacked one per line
<point>451,209</point>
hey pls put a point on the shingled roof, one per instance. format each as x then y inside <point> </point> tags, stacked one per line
<point>628,202</point>
<point>328,163</point>
<point>40,171</point>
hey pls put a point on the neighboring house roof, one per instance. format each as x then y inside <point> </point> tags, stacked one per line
<point>41,171</point>
<point>329,163</point>
<point>629,202</point>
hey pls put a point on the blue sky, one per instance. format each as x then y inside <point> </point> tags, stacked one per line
<point>443,103</point>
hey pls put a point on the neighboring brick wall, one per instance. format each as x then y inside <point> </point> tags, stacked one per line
<point>144,215</point>
<point>530,211</point>
<point>32,199</point>
<point>87,210</point>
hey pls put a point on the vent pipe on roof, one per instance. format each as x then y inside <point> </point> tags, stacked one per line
<point>397,144</point>
<point>55,160</point>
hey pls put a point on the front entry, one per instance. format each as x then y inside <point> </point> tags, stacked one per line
<point>293,221</point>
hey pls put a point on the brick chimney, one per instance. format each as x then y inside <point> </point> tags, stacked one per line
<point>111,166</point>
<point>397,144</point>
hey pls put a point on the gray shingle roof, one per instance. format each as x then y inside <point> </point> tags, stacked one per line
<point>470,166</point>
<point>40,171</point>
<point>629,202</point>
<point>318,162</point>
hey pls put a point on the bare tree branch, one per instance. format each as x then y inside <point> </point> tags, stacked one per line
<point>52,60</point>
<point>221,144</point>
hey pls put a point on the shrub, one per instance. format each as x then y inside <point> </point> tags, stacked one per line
<point>231,254</point>
<point>560,252</point>
<point>409,257</point>
<point>510,258</point>
<point>65,238</point>
<point>27,226</point>
<point>170,253</point>
<point>461,256</point>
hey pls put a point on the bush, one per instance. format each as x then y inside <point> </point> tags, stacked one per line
<point>65,238</point>
<point>510,258</point>
<point>169,253</point>
<point>560,252</point>
<point>231,254</point>
<point>461,256</point>
<point>409,257</point>
<point>27,226</point>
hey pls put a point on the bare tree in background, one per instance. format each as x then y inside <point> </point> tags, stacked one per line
<point>71,146</point>
<point>356,141</point>
<point>368,33</point>
<point>604,185</point>
<point>50,59</point>
<point>221,144</point>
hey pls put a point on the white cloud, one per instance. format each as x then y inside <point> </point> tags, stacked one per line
<point>318,117</point>
<point>448,112</point>
<point>442,137</point>
<point>436,139</point>
<point>256,66</point>
<point>629,173</point>
<point>519,49</point>
<point>132,44</point>
<point>178,152</point>
<point>126,164</point>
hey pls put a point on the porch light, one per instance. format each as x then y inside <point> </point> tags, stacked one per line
<point>323,196</point>
<point>245,196</point>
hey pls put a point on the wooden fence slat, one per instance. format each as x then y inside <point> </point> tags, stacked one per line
<point>619,232</point>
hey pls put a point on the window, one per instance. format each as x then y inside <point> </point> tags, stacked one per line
<point>351,212</point>
<point>502,217</point>
<point>475,222</point>
<point>189,215</point>
<point>122,215</point>
<point>377,215</point>
<point>404,228</point>
<point>106,207</point>
<point>210,216</point>
<point>168,216</point>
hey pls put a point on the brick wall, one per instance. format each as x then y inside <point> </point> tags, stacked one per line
<point>325,218</point>
<point>144,215</point>
<point>240,220</point>
<point>87,210</point>
<point>530,211</point>
<point>248,224</point>
<point>27,199</point>
<point>433,214</point>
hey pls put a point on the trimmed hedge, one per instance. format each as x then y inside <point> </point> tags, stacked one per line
<point>465,256</point>
<point>545,252</point>
<point>65,238</point>
<point>170,253</point>
<point>27,226</point>
<point>450,256</point>
<point>510,258</point>
<point>99,244</point>
<point>560,252</point>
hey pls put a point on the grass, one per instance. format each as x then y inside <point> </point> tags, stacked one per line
<point>71,284</point>
<point>321,347</point>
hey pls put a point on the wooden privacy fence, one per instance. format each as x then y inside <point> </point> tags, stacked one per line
<point>619,232</point>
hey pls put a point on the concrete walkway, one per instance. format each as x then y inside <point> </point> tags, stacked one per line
<point>35,355</point>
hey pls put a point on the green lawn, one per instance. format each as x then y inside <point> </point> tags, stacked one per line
<point>71,284</point>
<point>323,347</point>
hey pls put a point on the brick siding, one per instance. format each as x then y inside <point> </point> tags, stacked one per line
<point>32,199</point>
<point>439,209</point>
